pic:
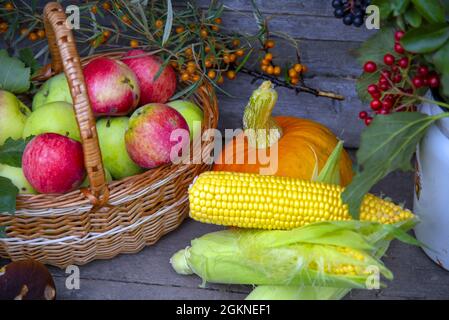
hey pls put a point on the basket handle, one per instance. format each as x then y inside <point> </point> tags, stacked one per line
<point>65,58</point>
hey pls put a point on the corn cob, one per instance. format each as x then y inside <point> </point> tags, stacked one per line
<point>270,202</point>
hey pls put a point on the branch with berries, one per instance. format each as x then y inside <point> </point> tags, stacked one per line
<point>193,40</point>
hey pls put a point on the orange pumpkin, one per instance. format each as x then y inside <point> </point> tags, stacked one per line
<point>302,146</point>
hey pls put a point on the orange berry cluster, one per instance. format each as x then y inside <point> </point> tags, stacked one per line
<point>295,72</point>
<point>267,66</point>
<point>33,35</point>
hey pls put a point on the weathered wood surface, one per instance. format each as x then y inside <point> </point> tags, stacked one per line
<point>148,275</point>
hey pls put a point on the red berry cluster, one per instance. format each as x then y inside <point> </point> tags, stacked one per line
<point>400,77</point>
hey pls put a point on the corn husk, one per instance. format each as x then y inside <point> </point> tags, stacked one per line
<point>297,257</point>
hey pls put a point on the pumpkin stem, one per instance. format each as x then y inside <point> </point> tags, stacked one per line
<point>259,125</point>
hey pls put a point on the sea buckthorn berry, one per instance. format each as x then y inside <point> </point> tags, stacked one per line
<point>203,33</point>
<point>269,44</point>
<point>398,35</point>
<point>235,43</point>
<point>218,20</point>
<point>211,74</point>
<point>184,77</point>
<point>264,68</point>
<point>220,80</point>
<point>174,64</point>
<point>270,70</point>
<point>159,23</point>
<point>398,48</point>
<point>106,6</point>
<point>23,31</point>
<point>93,9</point>
<point>179,29</point>
<point>226,59</point>
<point>292,73</point>
<point>126,19</point>
<point>9,6</point>
<point>370,67</point>
<point>265,62</point>
<point>188,51</point>
<point>277,70</point>
<point>232,57</point>
<point>240,52</point>
<point>32,36</point>
<point>298,67</point>
<point>196,77</point>
<point>389,59</point>
<point>134,43</point>
<point>231,74</point>
<point>41,33</point>
<point>106,33</point>
<point>208,63</point>
<point>207,49</point>
<point>294,81</point>
<point>269,56</point>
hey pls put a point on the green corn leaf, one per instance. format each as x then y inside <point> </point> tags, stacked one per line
<point>331,170</point>
<point>431,10</point>
<point>14,76</point>
<point>426,38</point>
<point>386,145</point>
<point>7,196</point>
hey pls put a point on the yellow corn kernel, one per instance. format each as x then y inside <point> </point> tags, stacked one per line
<point>253,195</point>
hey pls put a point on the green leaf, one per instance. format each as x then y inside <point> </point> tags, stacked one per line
<point>376,46</point>
<point>431,10</point>
<point>168,23</point>
<point>399,6</point>
<point>444,78</point>
<point>12,150</point>
<point>413,18</point>
<point>27,57</point>
<point>8,195</point>
<point>362,84</point>
<point>386,145</point>
<point>385,8</point>
<point>14,76</point>
<point>441,59</point>
<point>426,38</point>
<point>331,170</point>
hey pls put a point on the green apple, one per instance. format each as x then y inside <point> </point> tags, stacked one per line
<point>56,117</point>
<point>13,115</point>
<point>86,182</point>
<point>111,135</point>
<point>191,113</point>
<point>17,178</point>
<point>54,89</point>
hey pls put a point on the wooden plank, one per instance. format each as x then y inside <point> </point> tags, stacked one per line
<point>340,117</point>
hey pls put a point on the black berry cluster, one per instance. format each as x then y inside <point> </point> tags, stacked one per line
<point>351,11</point>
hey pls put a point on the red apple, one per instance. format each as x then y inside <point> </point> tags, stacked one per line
<point>53,163</point>
<point>112,87</point>
<point>146,67</point>
<point>148,138</point>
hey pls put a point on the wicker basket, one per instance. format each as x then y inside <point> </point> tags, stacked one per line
<point>121,217</point>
